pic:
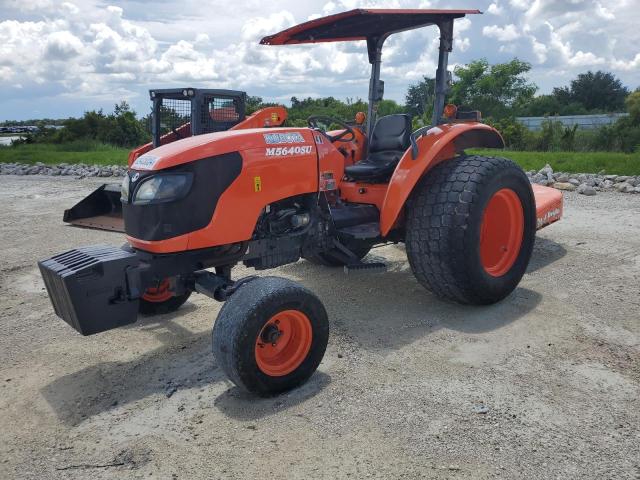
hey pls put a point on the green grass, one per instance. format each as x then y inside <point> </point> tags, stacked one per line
<point>92,153</point>
<point>96,153</point>
<point>612,163</point>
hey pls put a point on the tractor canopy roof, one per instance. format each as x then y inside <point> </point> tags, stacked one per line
<point>362,24</point>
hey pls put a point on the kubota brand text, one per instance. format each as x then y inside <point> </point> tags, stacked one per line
<point>293,137</point>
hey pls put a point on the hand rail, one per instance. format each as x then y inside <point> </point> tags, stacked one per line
<point>414,137</point>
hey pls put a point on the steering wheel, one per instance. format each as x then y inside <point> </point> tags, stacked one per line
<point>315,120</point>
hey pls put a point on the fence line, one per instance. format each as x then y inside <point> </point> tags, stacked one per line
<point>584,122</point>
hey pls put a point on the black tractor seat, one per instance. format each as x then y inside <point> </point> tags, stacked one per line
<point>389,141</point>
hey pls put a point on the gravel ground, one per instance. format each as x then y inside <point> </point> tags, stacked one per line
<point>543,385</point>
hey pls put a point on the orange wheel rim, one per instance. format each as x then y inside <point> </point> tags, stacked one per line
<point>501,232</point>
<point>158,294</point>
<point>283,343</point>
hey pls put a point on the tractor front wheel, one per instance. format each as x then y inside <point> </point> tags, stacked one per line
<point>160,299</point>
<point>270,335</point>
<point>471,225</point>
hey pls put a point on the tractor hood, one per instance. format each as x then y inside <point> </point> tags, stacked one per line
<point>210,190</point>
<point>200,147</point>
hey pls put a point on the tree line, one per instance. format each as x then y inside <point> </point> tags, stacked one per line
<point>500,92</point>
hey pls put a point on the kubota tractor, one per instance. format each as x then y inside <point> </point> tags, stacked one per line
<point>195,204</point>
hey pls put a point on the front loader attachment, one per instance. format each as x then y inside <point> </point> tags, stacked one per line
<point>101,210</point>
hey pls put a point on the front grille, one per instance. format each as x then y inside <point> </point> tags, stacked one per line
<point>160,221</point>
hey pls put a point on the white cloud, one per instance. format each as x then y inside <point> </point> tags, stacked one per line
<point>585,59</point>
<point>90,50</point>
<point>520,4</point>
<point>504,34</point>
<point>462,44</point>
<point>627,65</point>
<point>62,45</point>
<point>539,49</point>
<point>257,27</point>
<point>462,25</point>
<point>70,8</point>
<point>495,9</point>
<point>604,13</point>
<point>31,5</point>
<point>202,39</point>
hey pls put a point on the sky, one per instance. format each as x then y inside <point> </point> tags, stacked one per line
<point>61,58</point>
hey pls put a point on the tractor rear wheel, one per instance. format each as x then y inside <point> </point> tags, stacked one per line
<point>270,335</point>
<point>160,299</point>
<point>471,225</point>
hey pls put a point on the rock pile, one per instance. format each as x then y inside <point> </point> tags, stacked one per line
<point>79,170</point>
<point>585,183</point>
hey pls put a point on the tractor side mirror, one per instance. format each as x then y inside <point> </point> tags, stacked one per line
<point>378,93</point>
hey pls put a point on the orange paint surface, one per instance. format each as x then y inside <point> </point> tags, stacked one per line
<point>434,147</point>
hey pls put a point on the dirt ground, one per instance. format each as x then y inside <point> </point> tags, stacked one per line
<point>543,385</point>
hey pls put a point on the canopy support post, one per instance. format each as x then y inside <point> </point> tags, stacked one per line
<point>376,87</point>
<point>442,83</point>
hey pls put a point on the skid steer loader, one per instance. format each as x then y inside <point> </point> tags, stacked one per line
<point>196,205</point>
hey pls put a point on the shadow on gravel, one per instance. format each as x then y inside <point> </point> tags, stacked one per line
<point>185,361</point>
<point>545,252</point>
<point>388,311</point>
<point>376,311</point>
<point>240,405</point>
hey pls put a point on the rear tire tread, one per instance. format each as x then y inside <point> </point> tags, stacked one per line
<point>438,242</point>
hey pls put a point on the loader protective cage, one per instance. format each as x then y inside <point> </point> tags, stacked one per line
<point>204,110</point>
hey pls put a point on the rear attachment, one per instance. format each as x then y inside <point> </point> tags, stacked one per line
<point>89,288</point>
<point>548,205</point>
<point>101,210</point>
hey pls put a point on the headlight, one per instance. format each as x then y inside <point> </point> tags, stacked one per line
<point>163,188</point>
<point>124,190</point>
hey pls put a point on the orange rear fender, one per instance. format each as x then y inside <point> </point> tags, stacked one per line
<point>437,145</point>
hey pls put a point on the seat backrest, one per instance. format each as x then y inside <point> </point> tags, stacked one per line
<point>391,133</point>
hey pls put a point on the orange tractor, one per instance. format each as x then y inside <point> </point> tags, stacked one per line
<point>268,195</point>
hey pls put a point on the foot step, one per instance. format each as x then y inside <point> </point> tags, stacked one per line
<point>372,267</point>
<point>362,231</point>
